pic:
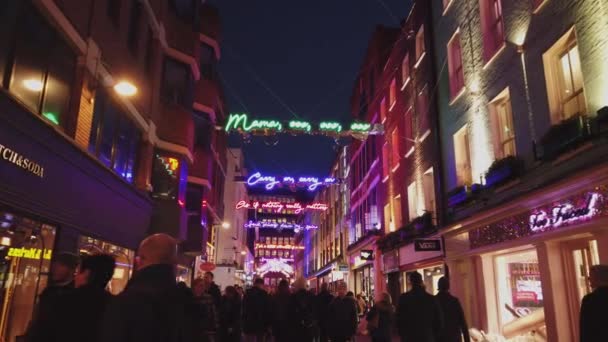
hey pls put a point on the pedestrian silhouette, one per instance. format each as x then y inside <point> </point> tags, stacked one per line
<point>594,305</point>
<point>419,317</point>
<point>455,327</point>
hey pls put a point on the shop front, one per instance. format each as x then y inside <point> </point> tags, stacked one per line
<point>365,277</point>
<point>53,195</point>
<point>524,267</point>
<point>424,256</point>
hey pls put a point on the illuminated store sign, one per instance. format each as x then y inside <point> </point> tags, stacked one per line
<point>241,122</point>
<point>279,207</point>
<point>29,253</point>
<point>19,160</point>
<point>277,225</point>
<point>564,213</point>
<point>270,182</point>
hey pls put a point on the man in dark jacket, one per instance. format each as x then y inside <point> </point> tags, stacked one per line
<point>455,327</point>
<point>419,317</point>
<point>212,289</point>
<point>303,313</point>
<point>152,308</point>
<point>593,309</point>
<point>256,312</point>
<point>342,314</point>
<point>63,266</point>
<point>324,298</point>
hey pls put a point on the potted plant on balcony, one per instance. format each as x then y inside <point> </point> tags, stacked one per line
<point>564,136</point>
<point>504,170</point>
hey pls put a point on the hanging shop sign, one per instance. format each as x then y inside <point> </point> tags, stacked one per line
<point>277,225</point>
<point>367,254</point>
<point>427,245</point>
<point>242,123</point>
<point>271,182</point>
<point>583,207</point>
<point>279,207</point>
<point>11,156</point>
<point>29,253</point>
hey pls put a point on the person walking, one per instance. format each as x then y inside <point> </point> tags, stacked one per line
<point>303,315</point>
<point>256,312</point>
<point>418,317</point>
<point>362,305</point>
<point>593,308</point>
<point>342,314</point>
<point>324,299</point>
<point>152,308</point>
<point>230,316</point>
<point>281,302</point>
<point>455,327</point>
<point>63,267</point>
<point>212,288</point>
<point>207,317</point>
<point>380,319</point>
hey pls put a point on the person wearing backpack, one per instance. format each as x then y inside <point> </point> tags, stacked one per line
<point>304,324</point>
<point>342,314</point>
<point>380,319</point>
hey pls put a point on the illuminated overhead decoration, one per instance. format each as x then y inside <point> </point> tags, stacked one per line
<point>270,182</point>
<point>278,225</point>
<point>275,265</point>
<point>274,246</point>
<point>242,123</point>
<point>279,207</point>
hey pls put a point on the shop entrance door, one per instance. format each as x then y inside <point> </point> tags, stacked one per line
<point>579,256</point>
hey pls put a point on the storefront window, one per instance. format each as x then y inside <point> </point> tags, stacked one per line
<point>169,177</point>
<point>430,276</point>
<point>124,260</point>
<point>184,274</point>
<point>520,295</point>
<point>25,256</point>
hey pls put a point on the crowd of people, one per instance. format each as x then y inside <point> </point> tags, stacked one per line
<point>153,307</point>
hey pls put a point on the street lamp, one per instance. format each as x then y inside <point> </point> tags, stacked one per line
<point>125,88</point>
<point>225,225</point>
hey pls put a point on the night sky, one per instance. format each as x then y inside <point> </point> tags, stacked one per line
<point>289,59</point>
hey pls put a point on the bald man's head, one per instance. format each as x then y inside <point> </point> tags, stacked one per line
<point>157,249</point>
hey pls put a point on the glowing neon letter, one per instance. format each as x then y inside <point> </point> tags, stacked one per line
<point>300,125</point>
<point>360,127</point>
<point>330,126</point>
<point>236,120</point>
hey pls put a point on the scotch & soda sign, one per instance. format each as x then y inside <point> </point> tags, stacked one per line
<point>11,156</point>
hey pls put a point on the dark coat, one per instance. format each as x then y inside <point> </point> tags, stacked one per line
<point>324,298</point>
<point>256,311</point>
<point>152,308</point>
<point>207,317</point>
<point>230,319</point>
<point>593,316</point>
<point>455,325</point>
<point>215,293</point>
<point>281,319</point>
<point>303,316</point>
<point>43,325</point>
<point>419,317</point>
<point>343,318</point>
<point>386,317</point>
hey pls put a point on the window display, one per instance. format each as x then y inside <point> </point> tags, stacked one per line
<point>124,260</point>
<point>430,276</point>
<point>520,295</point>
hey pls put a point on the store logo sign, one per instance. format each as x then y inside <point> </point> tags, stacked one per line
<point>29,253</point>
<point>433,245</point>
<point>13,157</point>
<point>564,214</point>
<point>367,254</point>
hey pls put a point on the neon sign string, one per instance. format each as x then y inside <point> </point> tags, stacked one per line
<point>240,121</point>
<point>271,246</point>
<point>275,265</point>
<point>270,182</point>
<point>279,206</point>
<point>276,225</point>
<point>564,213</point>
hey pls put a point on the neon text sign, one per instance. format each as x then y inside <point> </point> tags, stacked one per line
<point>564,214</point>
<point>278,207</point>
<point>241,122</point>
<point>270,182</point>
<point>29,253</point>
<point>277,225</point>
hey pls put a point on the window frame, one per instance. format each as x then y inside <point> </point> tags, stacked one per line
<point>464,175</point>
<point>420,45</point>
<point>493,28</point>
<point>406,74</point>
<point>455,71</point>
<point>500,145</point>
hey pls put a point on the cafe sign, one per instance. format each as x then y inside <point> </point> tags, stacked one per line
<point>11,156</point>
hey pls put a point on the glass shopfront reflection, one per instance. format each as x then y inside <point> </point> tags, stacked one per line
<point>124,260</point>
<point>25,255</point>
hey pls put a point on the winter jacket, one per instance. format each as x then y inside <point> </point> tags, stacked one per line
<point>281,311</point>
<point>385,313</point>
<point>343,318</point>
<point>43,326</point>
<point>455,325</point>
<point>152,308</point>
<point>207,318</point>
<point>230,319</point>
<point>256,311</point>
<point>593,316</point>
<point>323,300</point>
<point>419,317</point>
<point>303,316</point>
<point>215,293</point>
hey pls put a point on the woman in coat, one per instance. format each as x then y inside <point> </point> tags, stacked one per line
<point>380,319</point>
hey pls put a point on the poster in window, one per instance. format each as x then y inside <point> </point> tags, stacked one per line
<point>526,288</point>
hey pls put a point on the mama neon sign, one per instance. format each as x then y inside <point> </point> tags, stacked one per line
<point>564,214</point>
<point>278,207</point>
<point>270,182</point>
<point>241,122</point>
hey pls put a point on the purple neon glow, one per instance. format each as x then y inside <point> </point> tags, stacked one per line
<point>270,182</point>
<point>564,213</point>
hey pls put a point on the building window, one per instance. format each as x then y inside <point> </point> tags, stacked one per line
<point>397,211</point>
<point>114,139</point>
<point>388,219</point>
<point>405,70</point>
<point>134,26</point>
<point>455,65</point>
<point>428,186</point>
<point>177,83</point>
<point>422,108</point>
<point>113,11</point>
<point>383,110</point>
<point>412,201</point>
<point>492,27</point>
<point>409,130</point>
<point>41,81</point>
<point>208,62</point>
<point>396,157</point>
<point>386,163</point>
<point>420,44</point>
<point>564,79</point>
<point>462,155</point>
<point>502,118</point>
<point>393,93</point>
